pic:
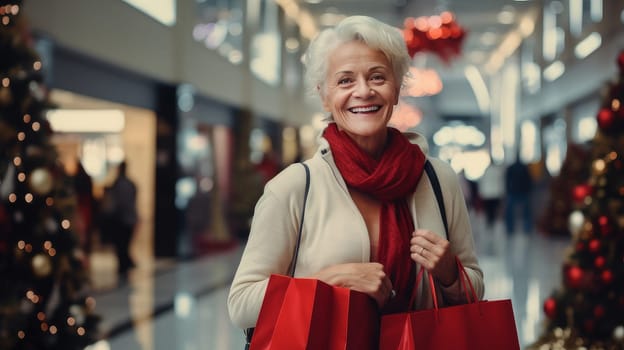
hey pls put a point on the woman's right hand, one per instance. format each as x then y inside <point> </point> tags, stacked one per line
<point>368,278</point>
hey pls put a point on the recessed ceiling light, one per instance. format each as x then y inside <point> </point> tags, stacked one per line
<point>506,16</point>
<point>313,1</point>
<point>488,38</point>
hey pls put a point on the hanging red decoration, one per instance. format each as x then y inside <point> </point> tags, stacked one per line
<point>440,35</point>
<point>620,61</point>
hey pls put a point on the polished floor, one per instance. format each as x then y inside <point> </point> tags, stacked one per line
<point>182,305</point>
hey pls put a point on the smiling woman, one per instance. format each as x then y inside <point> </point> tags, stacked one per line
<point>366,192</point>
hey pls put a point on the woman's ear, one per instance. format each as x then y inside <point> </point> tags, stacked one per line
<point>322,97</point>
<point>397,96</point>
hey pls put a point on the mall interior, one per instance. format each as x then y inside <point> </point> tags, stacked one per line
<point>204,102</point>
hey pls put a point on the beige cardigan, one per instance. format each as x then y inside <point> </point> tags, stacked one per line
<point>334,231</point>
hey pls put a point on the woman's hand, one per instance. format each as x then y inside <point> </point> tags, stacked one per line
<point>368,278</point>
<point>434,253</point>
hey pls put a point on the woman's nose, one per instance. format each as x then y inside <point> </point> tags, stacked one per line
<point>363,90</point>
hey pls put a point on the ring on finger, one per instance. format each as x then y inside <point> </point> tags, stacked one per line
<point>422,250</point>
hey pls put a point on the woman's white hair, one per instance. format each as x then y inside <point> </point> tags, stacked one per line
<point>375,34</point>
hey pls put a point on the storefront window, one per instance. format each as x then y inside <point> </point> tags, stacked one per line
<point>220,27</point>
<point>265,51</point>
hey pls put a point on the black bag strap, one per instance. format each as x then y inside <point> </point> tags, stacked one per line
<point>249,331</point>
<point>305,199</point>
<point>435,183</point>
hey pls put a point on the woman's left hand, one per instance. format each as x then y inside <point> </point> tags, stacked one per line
<point>434,253</point>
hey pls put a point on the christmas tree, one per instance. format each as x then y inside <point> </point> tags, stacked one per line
<point>43,303</point>
<point>587,312</point>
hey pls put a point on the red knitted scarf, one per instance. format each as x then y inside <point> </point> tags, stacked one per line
<point>390,180</point>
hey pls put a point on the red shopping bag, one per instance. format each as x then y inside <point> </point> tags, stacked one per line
<point>303,313</point>
<point>478,325</point>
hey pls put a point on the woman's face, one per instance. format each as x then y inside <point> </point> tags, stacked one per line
<point>360,90</point>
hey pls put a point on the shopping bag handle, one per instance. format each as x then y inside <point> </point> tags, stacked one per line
<point>419,277</point>
<point>466,284</point>
<point>464,279</point>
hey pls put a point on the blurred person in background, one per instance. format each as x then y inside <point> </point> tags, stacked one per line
<point>85,210</point>
<point>518,189</point>
<point>372,218</point>
<point>492,191</point>
<point>119,217</point>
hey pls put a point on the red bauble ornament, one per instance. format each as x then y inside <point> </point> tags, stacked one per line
<point>605,225</point>
<point>580,246</point>
<point>594,245</point>
<point>599,311</point>
<point>600,261</point>
<point>606,276</point>
<point>603,220</point>
<point>606,119</point>
<point>574,276</point>
<point>589,325</point>
<point>620,61</point>
<point>550,307</point>
<point>579,192</point>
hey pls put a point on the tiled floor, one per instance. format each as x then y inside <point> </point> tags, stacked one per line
<point>182,306</point>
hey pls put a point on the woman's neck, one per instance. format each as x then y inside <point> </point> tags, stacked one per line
<point>373,145</point>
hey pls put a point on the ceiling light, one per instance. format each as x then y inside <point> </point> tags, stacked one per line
<point>588,45</point>
<point>476,56</point>
<point>506,16</point>
<point>330,19</point>
<point>479,88</point>
<point>554,71</point>
<point>86,120</point>
<point>488,38</point>
<point>292,45</point>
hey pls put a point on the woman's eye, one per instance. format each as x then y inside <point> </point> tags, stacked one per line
<point>344,81</point>
<point>378,78</point>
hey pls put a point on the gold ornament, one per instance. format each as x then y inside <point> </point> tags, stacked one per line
<point>41,264</point>
<point>41,181</point>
